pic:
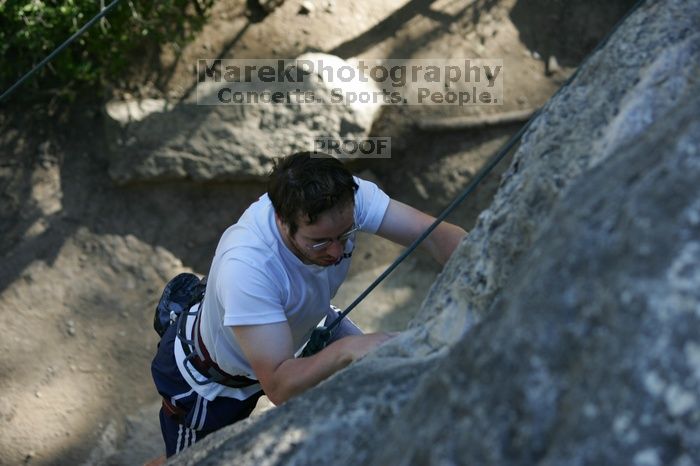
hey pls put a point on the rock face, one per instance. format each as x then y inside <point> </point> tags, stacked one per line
<point>153,140</point>
<point>564,331</point>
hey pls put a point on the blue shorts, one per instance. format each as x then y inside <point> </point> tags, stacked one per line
<point>197,417</point>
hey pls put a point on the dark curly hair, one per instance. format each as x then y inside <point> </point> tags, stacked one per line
<point>306,184</point>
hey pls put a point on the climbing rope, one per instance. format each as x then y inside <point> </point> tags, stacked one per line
<point>60,48</point>
<point>322,334</point>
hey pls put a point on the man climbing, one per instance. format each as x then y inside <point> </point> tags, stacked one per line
<point>270,283</point>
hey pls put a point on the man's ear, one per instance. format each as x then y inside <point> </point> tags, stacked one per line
<point>281,223</point>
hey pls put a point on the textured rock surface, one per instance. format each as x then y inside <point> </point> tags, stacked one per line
<point>565,328</point>
<point>154,140</point>
<point>621,92</point>
<point>591,354</point>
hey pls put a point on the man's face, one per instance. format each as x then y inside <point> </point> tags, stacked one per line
<point>329,226</point>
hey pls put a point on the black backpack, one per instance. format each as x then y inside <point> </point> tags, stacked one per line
<point>181,293</point>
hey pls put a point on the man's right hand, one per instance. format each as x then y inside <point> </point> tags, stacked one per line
<point>357,346</point>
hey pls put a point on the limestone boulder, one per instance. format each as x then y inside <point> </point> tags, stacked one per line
<point>202,139</point>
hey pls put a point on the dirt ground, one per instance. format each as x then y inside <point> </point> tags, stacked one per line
<point>83,261</point>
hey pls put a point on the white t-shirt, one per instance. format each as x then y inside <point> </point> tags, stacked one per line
<point>255,279</point>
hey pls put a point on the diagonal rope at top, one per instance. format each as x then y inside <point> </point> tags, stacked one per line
<point>59,49</point>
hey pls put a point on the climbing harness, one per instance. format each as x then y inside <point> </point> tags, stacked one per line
<point>198,355</point>
<point>180,296</point>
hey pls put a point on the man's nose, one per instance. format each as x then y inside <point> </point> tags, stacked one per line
<point>335,249</point>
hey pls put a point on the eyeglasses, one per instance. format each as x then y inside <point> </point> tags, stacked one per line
<point>342,239</point>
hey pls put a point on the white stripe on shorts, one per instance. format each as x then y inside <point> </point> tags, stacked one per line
<point>197,407</point>
<point>203,417</point>
<point>179,439</point>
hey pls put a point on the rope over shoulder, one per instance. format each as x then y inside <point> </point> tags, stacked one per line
<point>321,335</point>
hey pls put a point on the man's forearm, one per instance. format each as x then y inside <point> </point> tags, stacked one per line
<point>442,242</point>
<point>294,376</point>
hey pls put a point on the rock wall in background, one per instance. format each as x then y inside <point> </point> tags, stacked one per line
<point>155,140</point>
<point>564,331</point>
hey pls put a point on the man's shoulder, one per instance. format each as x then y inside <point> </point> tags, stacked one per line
<point>251,265</point>
<point>258,215</point>
<point>253,254</point>
<point>253,229</point>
